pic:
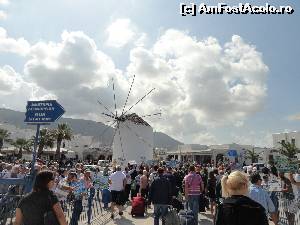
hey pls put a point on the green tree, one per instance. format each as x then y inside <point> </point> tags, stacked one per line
<point>63,132</point>
<point>46,139</point>
<point>288,149</point>
<point>4,136</point>
<point>252,155</point>
<point>22,144</point>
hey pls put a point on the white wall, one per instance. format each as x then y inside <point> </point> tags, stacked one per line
<point>134,148</point>
<point>286,136</point>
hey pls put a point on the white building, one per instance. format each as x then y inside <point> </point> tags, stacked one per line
<point>215,153</point>
<point>292,137</point>
<point>133,141</point>
<point>89,148</point>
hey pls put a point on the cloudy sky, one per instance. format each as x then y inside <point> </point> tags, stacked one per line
<point>217,78</point>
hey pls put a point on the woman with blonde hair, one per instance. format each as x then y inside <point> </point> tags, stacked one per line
<point>237,208</point>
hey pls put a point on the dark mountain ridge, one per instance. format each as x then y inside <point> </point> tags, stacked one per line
<point>83,127</point>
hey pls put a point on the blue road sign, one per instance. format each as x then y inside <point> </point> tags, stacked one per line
<point>43,112</point>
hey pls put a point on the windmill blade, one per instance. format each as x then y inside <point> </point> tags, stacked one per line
<point>121,143</point>
<point>139,137</point>
<point>108,121</point>
<point>154,114</point>
<point>114,97</point>
<point>106,129</point>
<point>140,100</point>
<point>115,131</point>
<point>108,115</point>
<point>100,103</point>
<point>128,95</point>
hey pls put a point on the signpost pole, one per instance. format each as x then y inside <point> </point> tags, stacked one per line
<point>35,146</point>
<point>40,113</point>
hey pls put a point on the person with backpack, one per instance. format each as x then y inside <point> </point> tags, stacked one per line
<point>160,195</point>
<point>169,175</point>
<point>237,208</point>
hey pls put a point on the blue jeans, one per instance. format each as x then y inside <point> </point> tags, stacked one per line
<point>90,202</point>
<point>160,210</point>
<point>193,202</point>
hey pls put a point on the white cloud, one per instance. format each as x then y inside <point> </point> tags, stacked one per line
<point>9,80</point>
<point>4,2</point>
<point>3,15</point>
<point>120,33</point>
<point>18,46</point>
<point>199,83</point>
<point>205,138</point>
<point>257,138</point>
<point>141,40</point>
<point>211,84</point>
<point>76,72</point>
<point>15,91</point>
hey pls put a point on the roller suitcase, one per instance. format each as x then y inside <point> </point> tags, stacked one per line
<point>138,206</point>
<point>172,217</point>
<point>186,217</point>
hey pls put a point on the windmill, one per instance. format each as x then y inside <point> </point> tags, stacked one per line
<point>133,137</point>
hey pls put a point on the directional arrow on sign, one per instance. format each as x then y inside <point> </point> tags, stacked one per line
<point>43,112</point>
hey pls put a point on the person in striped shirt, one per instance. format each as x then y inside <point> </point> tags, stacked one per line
<point>193,186</point>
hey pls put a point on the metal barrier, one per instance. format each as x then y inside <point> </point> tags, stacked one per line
<point>289,209</point>
<point>90,211</point>
<point>8,204</point>
<point>11,191</point>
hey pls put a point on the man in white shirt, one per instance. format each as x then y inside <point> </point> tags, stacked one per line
<point>117,183</point>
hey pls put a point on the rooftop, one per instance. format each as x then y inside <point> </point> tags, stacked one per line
<point>135,119</point>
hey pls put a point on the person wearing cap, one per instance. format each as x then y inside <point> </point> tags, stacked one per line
<point>258,194</point>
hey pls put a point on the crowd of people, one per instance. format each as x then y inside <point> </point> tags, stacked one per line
<point>233,196</point>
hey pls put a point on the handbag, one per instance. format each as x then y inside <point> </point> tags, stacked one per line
<point>49,216</point>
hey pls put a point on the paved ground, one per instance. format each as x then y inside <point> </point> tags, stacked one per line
<point>127,219</point>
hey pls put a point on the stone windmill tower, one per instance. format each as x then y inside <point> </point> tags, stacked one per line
<point>133,136</point>
<point>133,140</point>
